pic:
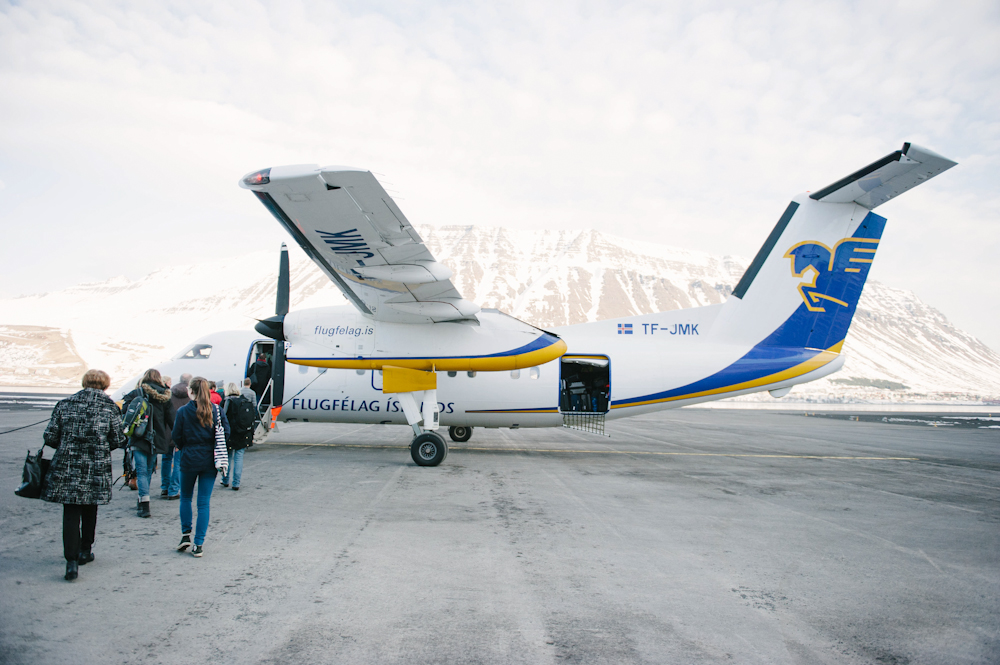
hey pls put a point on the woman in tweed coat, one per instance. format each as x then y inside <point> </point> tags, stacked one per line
<point>84,429</point>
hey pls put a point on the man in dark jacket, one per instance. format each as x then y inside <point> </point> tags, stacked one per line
<point>261,376</point>
<point>155,439</point>
<point>170,469</point>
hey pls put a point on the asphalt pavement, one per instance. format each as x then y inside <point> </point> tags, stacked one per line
<point>689,536</point>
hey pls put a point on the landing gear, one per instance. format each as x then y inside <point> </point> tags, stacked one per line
<point>428,449</point>
<point>460,434</point>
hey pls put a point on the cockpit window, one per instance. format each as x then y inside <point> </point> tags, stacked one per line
<point>198,351</point>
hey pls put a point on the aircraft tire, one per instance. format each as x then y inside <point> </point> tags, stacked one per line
<point>460,434</point>
<point>428,449</point>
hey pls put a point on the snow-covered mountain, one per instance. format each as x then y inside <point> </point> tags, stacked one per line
<point>898,348</point>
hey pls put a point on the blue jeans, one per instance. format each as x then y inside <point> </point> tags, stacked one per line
<point>206,481</point>
<point>144,464</point>
<point>170,472</point>
<point>235,467</point>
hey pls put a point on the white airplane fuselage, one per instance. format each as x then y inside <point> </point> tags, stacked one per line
<point>645,357</point>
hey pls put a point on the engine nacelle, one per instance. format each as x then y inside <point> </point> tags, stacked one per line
<point>341,337</point>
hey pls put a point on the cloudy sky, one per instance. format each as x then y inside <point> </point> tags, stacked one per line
<point>124,127</point>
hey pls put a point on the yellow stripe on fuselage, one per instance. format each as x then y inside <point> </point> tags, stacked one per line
<point>491,364</point>
<point>819,360</point>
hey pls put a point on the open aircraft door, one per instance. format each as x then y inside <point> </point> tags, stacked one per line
<point>260,380</point>
<point>584,391</point>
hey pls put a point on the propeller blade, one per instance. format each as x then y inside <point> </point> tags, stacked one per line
<point>278,373</point>
<point>281,308</point>
<point>274,328</point>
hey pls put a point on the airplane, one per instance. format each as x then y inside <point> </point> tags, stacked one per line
<point>409,350</point>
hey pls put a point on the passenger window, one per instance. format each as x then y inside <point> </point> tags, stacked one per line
<point>453,374</point>
<point>515,374</point>
<point>472,375</point>
<point>303,369</point>
<point>534,373</point>
<point>198,351</point>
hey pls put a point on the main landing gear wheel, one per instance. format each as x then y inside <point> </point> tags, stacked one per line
<point>428,449</point>
<point>460,434</point>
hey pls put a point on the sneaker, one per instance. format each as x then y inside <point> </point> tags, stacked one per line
<point>196,551</point>
<point>84,558</point>
<point>163,492</point>
<point>185,542</point>
<point>236,488</point>
<point>173,497</point>
<point>225,484</point>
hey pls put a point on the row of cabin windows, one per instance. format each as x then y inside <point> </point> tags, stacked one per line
<point>533,373</point>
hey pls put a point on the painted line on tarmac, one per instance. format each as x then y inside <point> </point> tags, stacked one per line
<point>601,452</point>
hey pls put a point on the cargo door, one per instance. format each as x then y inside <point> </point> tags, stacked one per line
<point>584,391</point>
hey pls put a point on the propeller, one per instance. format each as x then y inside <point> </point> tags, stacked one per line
<point>274,328</point>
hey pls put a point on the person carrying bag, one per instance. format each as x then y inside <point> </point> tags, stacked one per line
<point>242,416</point>
<point>83,429</point>
<point>200,431</point>
<point>149,432</point>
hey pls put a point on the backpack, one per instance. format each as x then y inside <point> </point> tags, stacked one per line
<point>136,417</point>
<point>242,415</point>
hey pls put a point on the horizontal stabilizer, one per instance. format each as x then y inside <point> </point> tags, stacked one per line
<point>887,178</point>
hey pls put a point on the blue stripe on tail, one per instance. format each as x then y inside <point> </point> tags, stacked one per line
<point>832,282</point>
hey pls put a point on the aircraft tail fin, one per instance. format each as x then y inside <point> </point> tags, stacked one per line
<point>803,287</point>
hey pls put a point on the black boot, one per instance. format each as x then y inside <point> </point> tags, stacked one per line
<point>71,570</point>
<point>86,556</point>
<point>142,509</point>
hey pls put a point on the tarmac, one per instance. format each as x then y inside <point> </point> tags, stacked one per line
<point>688,536</point>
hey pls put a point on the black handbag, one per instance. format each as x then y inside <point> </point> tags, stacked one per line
<point>33,476</point>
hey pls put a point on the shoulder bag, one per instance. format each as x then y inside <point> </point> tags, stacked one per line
<point>221,454</point>
<point>33,476</point>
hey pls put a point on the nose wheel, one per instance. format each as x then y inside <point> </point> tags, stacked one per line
<point>428,449</point>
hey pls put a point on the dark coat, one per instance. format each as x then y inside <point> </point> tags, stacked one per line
<point>196,440</point>
<point>162,413</point>
<point>178,398</point>
<point>84,429</point>
<point>237,440</point>
<point>261,375</point>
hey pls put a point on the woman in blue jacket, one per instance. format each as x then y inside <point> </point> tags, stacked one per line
<point>194,433</point>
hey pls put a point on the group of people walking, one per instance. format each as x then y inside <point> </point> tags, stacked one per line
<point>181,423</point>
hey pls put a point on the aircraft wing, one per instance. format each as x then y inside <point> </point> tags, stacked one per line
<point>352,229</point>
<point>887,178</point>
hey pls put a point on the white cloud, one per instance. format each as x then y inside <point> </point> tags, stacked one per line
<point>123,128</point>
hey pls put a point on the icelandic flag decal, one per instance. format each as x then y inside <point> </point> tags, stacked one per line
<point>624,328</point>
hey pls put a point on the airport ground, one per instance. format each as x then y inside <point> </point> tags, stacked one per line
<point>688,536</point>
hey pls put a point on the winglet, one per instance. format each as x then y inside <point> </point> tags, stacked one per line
<point>887,178</point>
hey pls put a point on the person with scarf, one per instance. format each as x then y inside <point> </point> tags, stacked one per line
<point>156,439</point>
<point>203,454</point>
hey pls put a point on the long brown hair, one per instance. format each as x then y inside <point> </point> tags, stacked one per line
<point>199,388</point>
<point>152,376</point>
